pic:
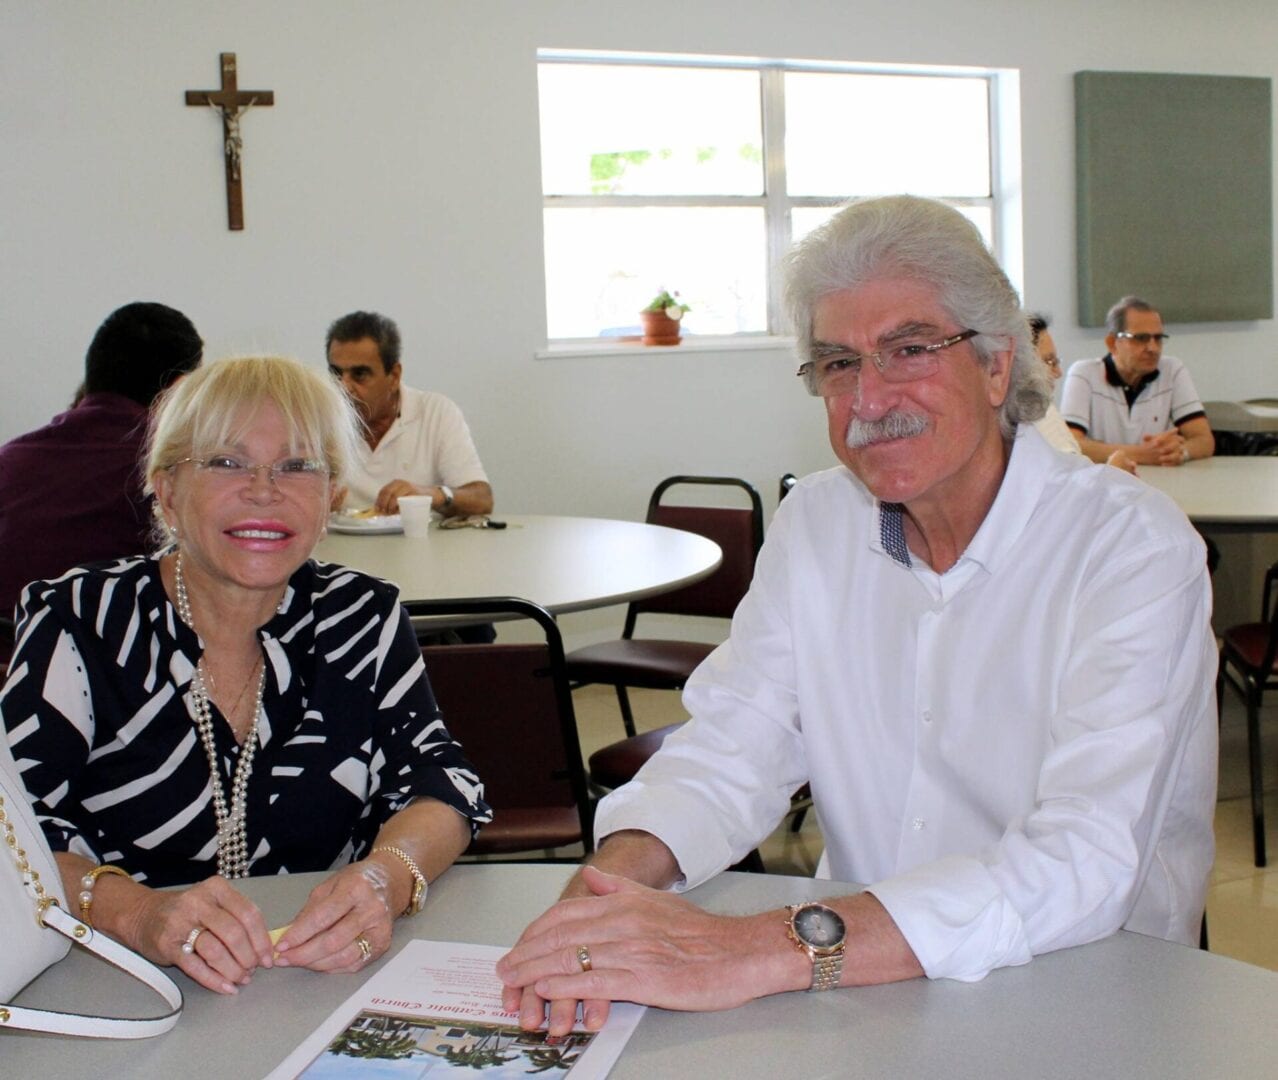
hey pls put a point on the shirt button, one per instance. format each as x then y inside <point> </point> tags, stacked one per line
<point>918,823</point>
<point>927,716</point>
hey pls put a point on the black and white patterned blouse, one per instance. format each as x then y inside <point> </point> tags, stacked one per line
<point>98,713</point>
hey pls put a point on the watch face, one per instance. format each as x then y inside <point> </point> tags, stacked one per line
<point>819,926</point>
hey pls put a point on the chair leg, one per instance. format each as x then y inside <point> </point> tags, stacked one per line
<point>1256,762</point>
<point>627,717</point>
<point>751,864</point>
<point>796,821</point>
<point>1202,934</point>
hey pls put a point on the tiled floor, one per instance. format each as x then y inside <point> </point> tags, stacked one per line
<point>1242,903</point>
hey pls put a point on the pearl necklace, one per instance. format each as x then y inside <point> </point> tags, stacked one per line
<point>232,830</point>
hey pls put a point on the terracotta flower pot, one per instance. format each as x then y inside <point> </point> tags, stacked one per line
<point>659,328</point>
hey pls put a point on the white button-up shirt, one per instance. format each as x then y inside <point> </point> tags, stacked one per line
<point>1017,755</point>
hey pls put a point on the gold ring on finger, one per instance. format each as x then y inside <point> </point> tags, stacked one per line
<point>188,946</point>
<point>583,957</point>
<point>365,949</point>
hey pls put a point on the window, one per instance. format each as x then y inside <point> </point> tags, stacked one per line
<point>696,174</point>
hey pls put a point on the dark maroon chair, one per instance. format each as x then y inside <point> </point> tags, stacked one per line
<point>7,637</point>
<point>659,664</point>
<point>510,707</point>
<point>1249,663</point>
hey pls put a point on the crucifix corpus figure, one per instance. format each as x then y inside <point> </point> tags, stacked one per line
<point>232,103</point>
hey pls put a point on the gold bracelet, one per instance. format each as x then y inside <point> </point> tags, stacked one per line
<point>419,879</point>
<point>88,882</point>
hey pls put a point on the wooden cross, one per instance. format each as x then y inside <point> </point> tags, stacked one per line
<point>232,103</point>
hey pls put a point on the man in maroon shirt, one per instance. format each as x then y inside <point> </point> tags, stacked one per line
<point>71,491</point>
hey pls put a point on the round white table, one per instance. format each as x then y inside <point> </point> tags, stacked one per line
<point>562,563</point>
<point>1129,1006</point>
<point>1223,494</point>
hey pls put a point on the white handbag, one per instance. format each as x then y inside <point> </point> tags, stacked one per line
<point>37,930</point>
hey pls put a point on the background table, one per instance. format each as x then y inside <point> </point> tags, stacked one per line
<point>1222,494</point>
<point>562,563</point>
<point>1235,501</point>
<point>1128,1006</point>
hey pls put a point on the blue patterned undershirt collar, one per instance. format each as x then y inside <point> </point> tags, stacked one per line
<point>892,532</point>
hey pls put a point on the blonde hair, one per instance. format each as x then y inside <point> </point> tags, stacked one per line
<point>213,406</point>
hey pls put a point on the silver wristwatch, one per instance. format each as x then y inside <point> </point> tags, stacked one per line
<point>447,493</point>
<point>820,932</point>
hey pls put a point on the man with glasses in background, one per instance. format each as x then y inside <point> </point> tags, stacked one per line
<point>991,662</point>
<point>1134,398</point>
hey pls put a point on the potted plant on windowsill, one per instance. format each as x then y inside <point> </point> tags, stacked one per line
<point>661,319</point>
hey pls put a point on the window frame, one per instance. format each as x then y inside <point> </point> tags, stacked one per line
<point>1003,202</point>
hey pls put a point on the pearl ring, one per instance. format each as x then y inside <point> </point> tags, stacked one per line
<point>188,946</point>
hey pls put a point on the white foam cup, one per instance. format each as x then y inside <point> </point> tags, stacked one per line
<point>414,514</point>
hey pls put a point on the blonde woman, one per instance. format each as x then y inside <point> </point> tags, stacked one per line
<point>230,707</point>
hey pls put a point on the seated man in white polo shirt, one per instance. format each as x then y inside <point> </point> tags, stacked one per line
<point>1134,399</point>
<point>417,442</point>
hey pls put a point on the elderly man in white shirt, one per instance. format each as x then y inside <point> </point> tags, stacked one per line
<point>991,661</point>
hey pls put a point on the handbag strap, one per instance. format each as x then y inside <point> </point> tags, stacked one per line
<point>63,1023</point>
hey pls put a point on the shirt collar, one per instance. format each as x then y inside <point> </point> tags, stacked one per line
<point>1115,379</point>
<point>892,532</point>
<point>1026,478</point>
<point>410,413</point>
<point>1013,506</point>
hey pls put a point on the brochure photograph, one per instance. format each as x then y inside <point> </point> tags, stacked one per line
<point>435,1011</point>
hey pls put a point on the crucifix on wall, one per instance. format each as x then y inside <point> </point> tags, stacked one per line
<point>232,103</point>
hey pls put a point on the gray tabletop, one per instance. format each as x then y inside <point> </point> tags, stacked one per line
<point>1229,494</point>
<point>562,563</point>
<point>1129,1006</point>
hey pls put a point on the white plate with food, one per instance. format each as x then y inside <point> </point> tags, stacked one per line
<point>364,521</point>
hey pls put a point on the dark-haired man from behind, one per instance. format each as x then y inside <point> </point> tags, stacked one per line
<point>71,491</point>
<point>1134,398</point>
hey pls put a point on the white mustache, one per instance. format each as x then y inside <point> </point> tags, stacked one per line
<point>897,424</point>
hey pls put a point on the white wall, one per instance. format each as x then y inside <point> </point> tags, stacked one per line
<point>398,170</point>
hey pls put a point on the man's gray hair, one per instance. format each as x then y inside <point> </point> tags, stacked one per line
<point>925,240</point>
<point>1116,317</point>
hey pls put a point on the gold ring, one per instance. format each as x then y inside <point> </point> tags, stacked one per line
<point>188,946</point>
<point>365,949</point>
<point>583,957</point>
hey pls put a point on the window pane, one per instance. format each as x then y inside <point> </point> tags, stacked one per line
<point>633,130</point>
<point>884,134</point>
<point>603,265</point>
<point>803,219</point>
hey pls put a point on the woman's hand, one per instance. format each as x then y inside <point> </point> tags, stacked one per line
<point>350,907</point>
<point>231,944</point>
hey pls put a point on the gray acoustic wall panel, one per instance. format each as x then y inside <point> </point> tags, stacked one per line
<point>1175,197</point>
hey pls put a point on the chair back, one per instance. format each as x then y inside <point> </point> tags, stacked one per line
<point>1269,614</point>
<point>510,707</point>
<point>8,638</point>
<point>737,531</point>
<point>788,480</point>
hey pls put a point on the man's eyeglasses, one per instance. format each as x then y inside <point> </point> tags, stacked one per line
<point>833,371</point>
<point>291,473</point>
<point>1142,339</point>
